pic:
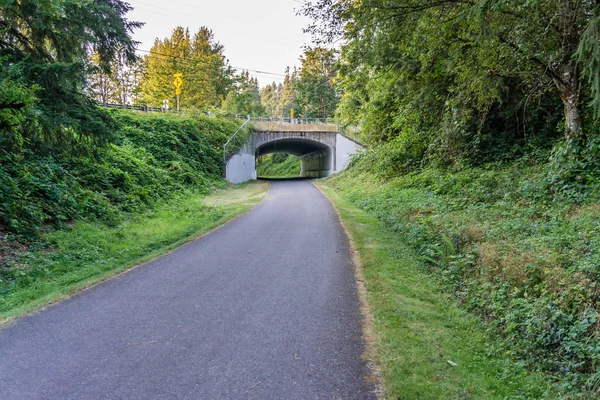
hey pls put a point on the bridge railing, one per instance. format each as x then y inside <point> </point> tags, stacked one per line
<point>294,124</point>
<point>156,110</point>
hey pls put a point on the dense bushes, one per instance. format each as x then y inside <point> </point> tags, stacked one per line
<point>518,244</point>
<point>152,157</point>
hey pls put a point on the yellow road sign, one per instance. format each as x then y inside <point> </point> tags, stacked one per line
<point>292,113</point>
<point>178,91</point>
<point>178,81</point>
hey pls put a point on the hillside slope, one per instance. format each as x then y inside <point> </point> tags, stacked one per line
<point>69,219</point>
<point>151,157</point>
<point>522,258</point>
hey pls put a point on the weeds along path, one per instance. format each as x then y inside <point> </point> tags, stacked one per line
<point>424,344</point>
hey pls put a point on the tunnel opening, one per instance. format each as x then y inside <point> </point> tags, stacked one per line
<point>316,159</point>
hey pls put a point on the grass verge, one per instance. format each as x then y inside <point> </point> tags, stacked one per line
<point>425,346</point>
<point>89,253</point>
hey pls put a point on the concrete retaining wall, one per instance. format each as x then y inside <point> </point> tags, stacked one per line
<point>317,165</point>
<point>344,149</point>
<point>240,168</point>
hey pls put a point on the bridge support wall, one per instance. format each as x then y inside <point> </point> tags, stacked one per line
<point>344,149</point>
<point>317,165</point>
<point>241,168</point>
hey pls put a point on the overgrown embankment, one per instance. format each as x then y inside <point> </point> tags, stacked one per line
<point>425,345</point>
<point>150,158</point>
<point>278,165</point>
<point>517,243</point>
<point>69,218</point>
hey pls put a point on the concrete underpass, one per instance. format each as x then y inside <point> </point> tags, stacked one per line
<point>321,153</point>
<point>316,158</point>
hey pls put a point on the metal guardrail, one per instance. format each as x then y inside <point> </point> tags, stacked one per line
<point>297,120</point>
<point>231,139</point>
<point>137,108</point>
<point>295,124</point>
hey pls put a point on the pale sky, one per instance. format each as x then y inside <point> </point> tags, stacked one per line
<point>261,35</point>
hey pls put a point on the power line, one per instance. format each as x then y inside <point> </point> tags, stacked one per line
<point>284,42</point>
<point>227,17</point>
<point>189,60</point>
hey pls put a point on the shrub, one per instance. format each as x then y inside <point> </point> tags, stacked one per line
<point>152,158</point>
<point>522,257</point>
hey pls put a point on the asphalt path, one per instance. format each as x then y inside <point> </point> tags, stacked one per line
<point>265,307</point>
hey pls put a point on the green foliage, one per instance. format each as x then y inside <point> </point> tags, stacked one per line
<point>316,92</point>
<point>479,78</point>
<point>244,98</point>
<point>278,100</point>
<point>154,157</point>
<point>312,91</point>
<point>425,345</point>
<point>44,47</point>
<point>269,98</point>
<point>207,77</point>
<point>16,100</point>
<point>515,252</point>
<point>278,165</point>
<point>120,85</point>
<point>574,169</point>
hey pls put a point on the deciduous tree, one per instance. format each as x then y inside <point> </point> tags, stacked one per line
<point>466,53</point>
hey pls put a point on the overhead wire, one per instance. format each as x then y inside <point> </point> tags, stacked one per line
<point>272,75</point>
<point>184,59</point>
<point>285,42</point>
<point>254,24</point>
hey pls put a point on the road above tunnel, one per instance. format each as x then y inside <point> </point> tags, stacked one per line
<point>265,307</point>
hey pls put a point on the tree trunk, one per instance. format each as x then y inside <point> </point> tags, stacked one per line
<point>567,75</point>
<point>568,88</point>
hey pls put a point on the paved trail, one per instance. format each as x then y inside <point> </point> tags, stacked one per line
<point>263,308</point>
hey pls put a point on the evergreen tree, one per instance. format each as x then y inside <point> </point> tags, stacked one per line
<point>269,97</point>
<point>44,48</point>
<point>119,85</point>
<point>287,97</point>
<point>245,98</point>
<point>317,95</point>
<point>207,77</point>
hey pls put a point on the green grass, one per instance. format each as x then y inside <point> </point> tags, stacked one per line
<point>88,253</point>
<point>426,346</point>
